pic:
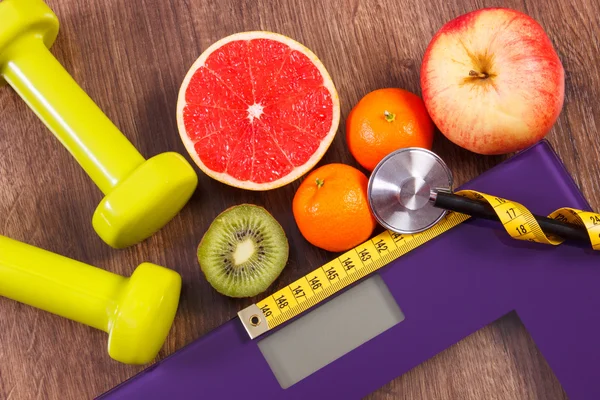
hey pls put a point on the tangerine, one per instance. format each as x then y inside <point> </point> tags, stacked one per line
<point>386,120</point>
<point>331,208</point>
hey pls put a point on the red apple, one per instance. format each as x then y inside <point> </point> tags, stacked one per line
<point>492,81</point>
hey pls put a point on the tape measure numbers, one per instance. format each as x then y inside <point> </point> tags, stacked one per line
<point>388,246</point>
<point>521,225</point>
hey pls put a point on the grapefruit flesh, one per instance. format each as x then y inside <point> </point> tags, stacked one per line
<point>257,110</point>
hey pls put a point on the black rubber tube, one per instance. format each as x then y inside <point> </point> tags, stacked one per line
<point>478,209</point>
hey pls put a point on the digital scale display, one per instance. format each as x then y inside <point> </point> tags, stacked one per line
<point>326,333</point>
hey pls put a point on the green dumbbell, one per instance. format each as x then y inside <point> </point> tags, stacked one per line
<point>141,196</point>
<point>137,312</point>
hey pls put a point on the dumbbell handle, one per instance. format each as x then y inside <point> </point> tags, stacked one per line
<point>95,142</point>
<point>58,284</point>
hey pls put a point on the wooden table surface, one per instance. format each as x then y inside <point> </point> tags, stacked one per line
<point>131,56</point>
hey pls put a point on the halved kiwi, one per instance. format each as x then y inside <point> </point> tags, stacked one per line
<point>243,251</point>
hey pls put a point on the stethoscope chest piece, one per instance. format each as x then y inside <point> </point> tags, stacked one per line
<point>401,187</point>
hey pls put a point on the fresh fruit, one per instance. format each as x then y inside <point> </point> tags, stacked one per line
<point>492,81</point>
<point>243,251</point>
<point>386,120</point>
<point>257,110</point>
<point>331,208</point>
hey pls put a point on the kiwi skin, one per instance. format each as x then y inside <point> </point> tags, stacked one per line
<point>229,229</point>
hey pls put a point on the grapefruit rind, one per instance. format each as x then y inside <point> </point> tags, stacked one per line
<point>297,172</point>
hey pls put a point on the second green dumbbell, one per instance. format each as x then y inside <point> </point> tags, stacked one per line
<point>136,312</point>
<point>141,196</point>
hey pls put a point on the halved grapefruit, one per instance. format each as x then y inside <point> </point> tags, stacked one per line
<point>257,110</point>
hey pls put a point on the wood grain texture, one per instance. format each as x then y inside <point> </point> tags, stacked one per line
<point>131,56</point>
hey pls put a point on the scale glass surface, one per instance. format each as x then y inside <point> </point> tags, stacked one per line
<point>414,308</point>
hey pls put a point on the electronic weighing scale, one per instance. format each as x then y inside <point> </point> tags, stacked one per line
<point>413,308</point>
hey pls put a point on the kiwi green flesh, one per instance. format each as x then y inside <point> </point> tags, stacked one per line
<point>243,252</point>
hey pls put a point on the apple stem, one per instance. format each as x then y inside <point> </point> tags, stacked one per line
<point>481,75</point>
<point>389,117</point>
<point>320,182</point>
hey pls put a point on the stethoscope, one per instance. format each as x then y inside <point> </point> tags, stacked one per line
<point>410,191</point>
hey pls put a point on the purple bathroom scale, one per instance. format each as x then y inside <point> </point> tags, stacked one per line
<point>431,298</point>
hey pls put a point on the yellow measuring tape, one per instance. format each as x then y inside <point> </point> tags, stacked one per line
<point>520,224</point>
<point>386,247</point>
